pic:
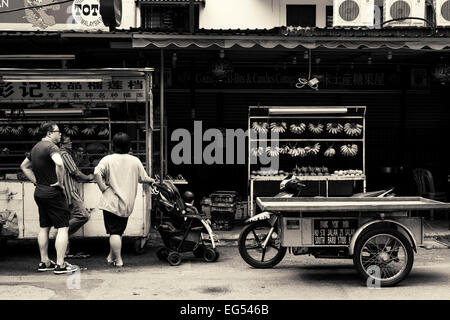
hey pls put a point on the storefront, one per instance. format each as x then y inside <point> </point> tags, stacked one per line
<point>214,76</point>
<point>89,105</point>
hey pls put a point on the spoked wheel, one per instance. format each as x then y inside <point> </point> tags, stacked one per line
<point>210,255</point>
<point>174,258</point>
<point>385,255</point>
<point>162,253</point>
<point>199,251</point>
<point>251,240</point>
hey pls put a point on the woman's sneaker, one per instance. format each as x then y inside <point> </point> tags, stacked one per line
<point>66,268</point>
<point>46,266</point>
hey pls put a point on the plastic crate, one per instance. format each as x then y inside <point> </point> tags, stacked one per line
<point>223,197</point>
<point>222,221</point>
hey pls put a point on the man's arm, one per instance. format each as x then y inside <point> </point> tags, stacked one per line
<point>80,175</point>
<point>74,171</point>
<point>99,179</point>
<point>59,168</point>
<point>143,176</point>
<point>27,170</point>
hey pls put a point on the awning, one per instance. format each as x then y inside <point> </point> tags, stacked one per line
<point>267,42</point>
<point>161,2</point>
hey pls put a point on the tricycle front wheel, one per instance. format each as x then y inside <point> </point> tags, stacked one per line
<point>384,255</point>
<point>250,243</point>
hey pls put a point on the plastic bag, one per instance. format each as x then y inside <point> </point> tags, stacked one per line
<point>10,224</point>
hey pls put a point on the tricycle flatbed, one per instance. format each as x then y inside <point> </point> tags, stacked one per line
<point>346,204</point>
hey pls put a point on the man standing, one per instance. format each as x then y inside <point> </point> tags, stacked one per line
<point>78,213</point>
<point>44,167</point>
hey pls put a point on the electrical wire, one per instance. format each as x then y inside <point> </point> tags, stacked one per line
<point>302,81</point>
<point>36,7</point>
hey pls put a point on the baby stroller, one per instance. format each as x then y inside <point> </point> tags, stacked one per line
<point>181,231</point>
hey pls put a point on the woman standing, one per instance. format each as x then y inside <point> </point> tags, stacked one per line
<point>117,176</point>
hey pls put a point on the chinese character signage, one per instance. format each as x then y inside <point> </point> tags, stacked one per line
<point>34,15</point>
<point>118,90</point>
<point>334,231</point>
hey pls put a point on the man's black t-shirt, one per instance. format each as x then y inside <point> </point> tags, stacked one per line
<point>44,169</point>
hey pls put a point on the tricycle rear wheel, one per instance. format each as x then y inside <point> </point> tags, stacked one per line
<point>250,245</point>
<point>384,255</point>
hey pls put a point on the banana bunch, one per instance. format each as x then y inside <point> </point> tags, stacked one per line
<point>315,128</point>
<point>89,131</point>
<point>284,150</point>
<point>33,131</point>
<point>334,128</point>
<point>273,151</point>
<point>256,152</point>
<point>275,127</point>
<point>17,131</point>
<point>349,150</point>
<point>71,130</point>
<point>298,129</point>
<point>314,149</point>
<point>260,127</point>
<point>103,132</point>
<point>330,152</point>
<point>5,130</point>
<point>298,152</point>
<point>353,129</point>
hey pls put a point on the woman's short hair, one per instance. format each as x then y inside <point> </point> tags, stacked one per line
<point>121,142</point>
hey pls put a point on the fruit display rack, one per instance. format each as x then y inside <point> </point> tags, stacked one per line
<point>91,138</point>
<point>319,144</point>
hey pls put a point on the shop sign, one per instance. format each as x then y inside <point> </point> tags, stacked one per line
<point>120,89</point>
<point>43,15</point>
<point>334,231</point>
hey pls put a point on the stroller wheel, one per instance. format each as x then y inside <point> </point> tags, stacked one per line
<point>210,255</point>
<point>199,251</point>
<point>162,253</point>
<point>174,258</point>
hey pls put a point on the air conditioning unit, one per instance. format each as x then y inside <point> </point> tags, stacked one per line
<point>353,13</point>
<point>442,9</point>
<point>396,9</point>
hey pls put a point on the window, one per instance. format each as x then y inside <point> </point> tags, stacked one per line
<point>171,17</point>
<point>329,16</point>
<point>301,15</point>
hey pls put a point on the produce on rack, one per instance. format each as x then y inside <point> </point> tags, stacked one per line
<point>330,152</point>
<point>34,131</point>
<point>279,128</point>
<point>4,130</point>
<point>349,150</point>
<point>353,129</point>
<point>273,151</point>
<point>103,131</point>
<point>260,127</point>
<point>313,150</point>
<point>349,172</point>
<point>315,128</point>
<point>334,128</point>
<point>256,152</point>
<point>17,130</point>
<point>71,130</point>
<point>298,129</point>
<point>89,131</point>
<point>297,152</point>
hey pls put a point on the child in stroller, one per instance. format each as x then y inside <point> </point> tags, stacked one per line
<point>181,228</point>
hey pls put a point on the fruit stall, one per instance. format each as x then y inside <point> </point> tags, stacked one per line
<point>89,105</point>
<point>324,146</point>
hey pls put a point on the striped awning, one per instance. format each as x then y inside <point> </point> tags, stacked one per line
<point>160,2</point>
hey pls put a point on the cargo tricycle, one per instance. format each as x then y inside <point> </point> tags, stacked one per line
<point>379,234</point>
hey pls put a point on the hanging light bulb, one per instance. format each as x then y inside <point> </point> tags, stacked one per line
<point>369,60</point>
<point>389,55</point>
<point>305,55</point>
<point>317,60</point>
<point>294,60</point>
<point>222,54</point>
<point>352,65</point>
<point>174,60</point>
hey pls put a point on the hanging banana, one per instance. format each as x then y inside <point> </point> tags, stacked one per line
<point>315,128</point>
<point>334,128</point>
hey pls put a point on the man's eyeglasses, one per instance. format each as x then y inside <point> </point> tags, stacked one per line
<point>55,131</point>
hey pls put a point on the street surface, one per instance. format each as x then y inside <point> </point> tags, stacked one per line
<point>145,277</point>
